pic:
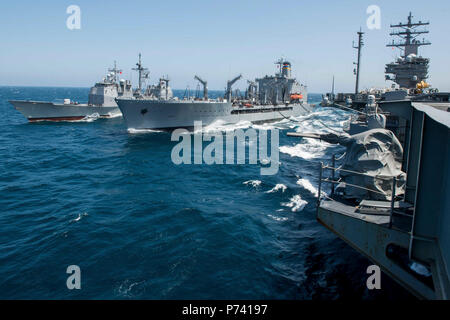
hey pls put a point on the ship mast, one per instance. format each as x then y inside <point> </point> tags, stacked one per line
<point>115,71</point>
<point>279,63</point>
<point>408,33</point>
<point>358,47</point>
<point>332,89</point>
<point>143,72</point>
<point>410,69</point>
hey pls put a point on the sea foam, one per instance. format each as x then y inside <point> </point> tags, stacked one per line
<point>296,203</point>
<point>277,187</point>
<point>306,184</point>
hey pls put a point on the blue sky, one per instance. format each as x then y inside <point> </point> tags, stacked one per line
<point>214,39</point>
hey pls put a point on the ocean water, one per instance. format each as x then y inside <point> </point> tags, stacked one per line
<point>140,227</point>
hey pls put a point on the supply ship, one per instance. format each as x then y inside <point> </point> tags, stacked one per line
<point>101,102</point>
<point>267,99</point>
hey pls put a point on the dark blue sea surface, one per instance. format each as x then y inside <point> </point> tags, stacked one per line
<point>140,227</point>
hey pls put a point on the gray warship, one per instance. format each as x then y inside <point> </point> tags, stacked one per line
<point>101,102</point>
<point>409,72</point>
<point>267,99</point>
<point>388,193</point>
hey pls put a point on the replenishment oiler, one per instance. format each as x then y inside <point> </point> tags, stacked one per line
<point>101,102</point>
<point>267,99</point>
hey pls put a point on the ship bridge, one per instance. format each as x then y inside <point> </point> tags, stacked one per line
<point>281,87</point>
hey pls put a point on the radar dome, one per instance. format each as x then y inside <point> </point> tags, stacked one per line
<point>411,57</point>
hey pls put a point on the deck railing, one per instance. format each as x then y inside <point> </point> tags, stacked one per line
<point>333,181</point>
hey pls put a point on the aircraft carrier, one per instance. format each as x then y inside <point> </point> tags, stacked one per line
<point>409,72</point>
<point>267,99</point>
<point>101,102</point>
<point>388,192</point>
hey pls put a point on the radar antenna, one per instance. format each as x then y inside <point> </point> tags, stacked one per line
<point>410,69</point>
<point>143,72</point>
<point>115,71</point>
<point>408,34</point>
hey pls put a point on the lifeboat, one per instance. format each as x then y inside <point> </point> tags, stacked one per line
<point>296,96</point>
<point>248,105</point>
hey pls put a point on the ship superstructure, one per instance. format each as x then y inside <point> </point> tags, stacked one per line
<point>280,88</point>
<point>267,99</point>
<point>410,69</point>
<point>160,91</point>
<point>409,72</point>
<point>101,102</point>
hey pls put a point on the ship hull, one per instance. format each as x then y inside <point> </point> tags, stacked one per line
<point>47,111</point>
<point>145,114</point>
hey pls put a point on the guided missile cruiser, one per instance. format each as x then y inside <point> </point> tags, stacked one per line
<point>101,102</point>
<point>267,99</point>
